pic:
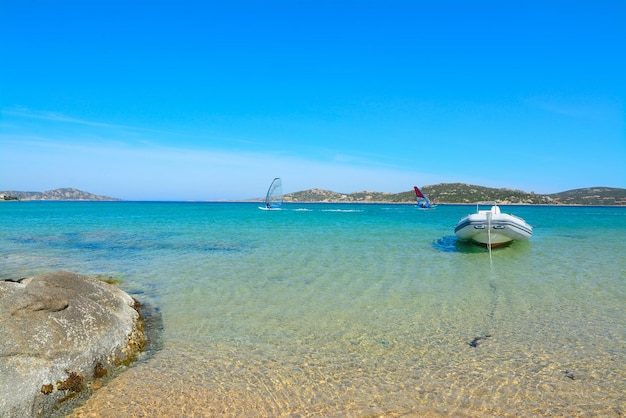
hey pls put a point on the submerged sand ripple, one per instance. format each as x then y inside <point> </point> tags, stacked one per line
<point>503,377</point>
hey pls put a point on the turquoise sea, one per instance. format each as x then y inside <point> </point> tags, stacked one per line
<point>340,310</point>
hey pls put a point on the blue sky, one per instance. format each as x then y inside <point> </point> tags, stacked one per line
<point>210,100</point>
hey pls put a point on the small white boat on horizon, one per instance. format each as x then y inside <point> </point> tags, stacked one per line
<point>492,227</point>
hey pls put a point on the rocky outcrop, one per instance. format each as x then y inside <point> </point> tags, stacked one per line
<point>65,193</point>
<point>59,333</point>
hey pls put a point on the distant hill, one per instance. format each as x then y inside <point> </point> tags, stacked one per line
<point>467,193</point>
<point>592,196</point>
<point>57,194</point>
<point>439,193</point>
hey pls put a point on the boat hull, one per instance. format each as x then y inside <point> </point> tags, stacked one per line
<point>500,229</point>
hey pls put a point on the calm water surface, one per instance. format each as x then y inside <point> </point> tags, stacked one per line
<point>346,310</point>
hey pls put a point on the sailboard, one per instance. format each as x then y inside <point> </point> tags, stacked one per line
<point>274,196</point>
<point>422,201</point>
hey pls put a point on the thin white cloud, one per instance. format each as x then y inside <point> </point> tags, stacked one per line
<point>159,172</point>
<point>579,107</point>
<point>86,129</point>
<point>23,112</point>
<point>134,164</point>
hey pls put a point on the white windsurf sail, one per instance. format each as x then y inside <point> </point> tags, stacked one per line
<point>274,196</point>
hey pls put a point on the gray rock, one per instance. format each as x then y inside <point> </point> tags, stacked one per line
<point>59,332</point>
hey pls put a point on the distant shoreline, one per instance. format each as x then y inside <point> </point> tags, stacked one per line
<point>444,193</point>
<point>314,203</point>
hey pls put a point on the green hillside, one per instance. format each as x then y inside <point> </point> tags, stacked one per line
<point>467,193</point>
<point>66,193</point>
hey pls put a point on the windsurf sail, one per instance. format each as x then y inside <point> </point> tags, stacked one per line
<point>274,196</point>
<point>422,200</point>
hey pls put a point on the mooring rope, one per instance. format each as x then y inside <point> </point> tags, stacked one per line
<point>492,286</point>
<point>489,214</point>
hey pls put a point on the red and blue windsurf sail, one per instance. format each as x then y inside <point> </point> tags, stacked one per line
<point>422,200</point>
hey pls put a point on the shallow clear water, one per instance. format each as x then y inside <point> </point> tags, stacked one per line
<point>347,310</point>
